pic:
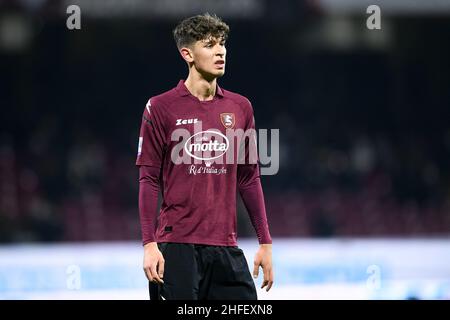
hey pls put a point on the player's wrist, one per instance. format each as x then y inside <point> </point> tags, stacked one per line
<point>151,245</point>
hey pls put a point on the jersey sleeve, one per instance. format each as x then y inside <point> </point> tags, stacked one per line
<point>152,141</point>
<point>248,152</point>
<point>249,182</point>
<point>148,202</point>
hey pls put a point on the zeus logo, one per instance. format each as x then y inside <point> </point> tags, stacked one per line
<point>186,121</point>
<point>200,146</point>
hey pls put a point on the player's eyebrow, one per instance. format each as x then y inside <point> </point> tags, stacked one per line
<point>213,41</point>
<point>209,41</point>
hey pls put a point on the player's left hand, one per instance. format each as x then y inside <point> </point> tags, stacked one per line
<point>263,258</point>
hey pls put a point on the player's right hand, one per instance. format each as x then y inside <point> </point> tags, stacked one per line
<point>153,263</point>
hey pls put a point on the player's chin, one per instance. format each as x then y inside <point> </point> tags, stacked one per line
<point>218,73</point>
<point>213,74</point>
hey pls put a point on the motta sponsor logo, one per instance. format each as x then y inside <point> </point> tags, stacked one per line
<point>212,147</point>
<point>207,145</point>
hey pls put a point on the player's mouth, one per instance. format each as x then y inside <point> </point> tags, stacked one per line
<point>220,64</point>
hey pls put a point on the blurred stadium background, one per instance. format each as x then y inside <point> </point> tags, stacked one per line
<point>360,208</point>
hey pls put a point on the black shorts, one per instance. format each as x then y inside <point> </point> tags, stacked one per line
<point>203,272</point>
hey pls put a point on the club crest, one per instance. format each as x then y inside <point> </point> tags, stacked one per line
<point>228,120</point>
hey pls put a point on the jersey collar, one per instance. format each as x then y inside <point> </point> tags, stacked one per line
<point>183,91</point>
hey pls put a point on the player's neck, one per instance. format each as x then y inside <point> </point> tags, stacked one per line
<point>201,88</point>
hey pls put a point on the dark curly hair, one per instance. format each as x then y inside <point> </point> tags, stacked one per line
<point>200,27</point>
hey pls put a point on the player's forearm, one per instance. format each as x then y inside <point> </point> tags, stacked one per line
<point>252,194</point>
<point>254,202</point>
<point>148,202</point>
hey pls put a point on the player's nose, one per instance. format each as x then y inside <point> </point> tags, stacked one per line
<point>221,51</point>
<point>221,54</point>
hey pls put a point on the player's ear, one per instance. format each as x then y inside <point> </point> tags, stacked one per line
<point>187,55</point>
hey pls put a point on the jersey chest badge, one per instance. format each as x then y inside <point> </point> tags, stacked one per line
<point>228,120</point>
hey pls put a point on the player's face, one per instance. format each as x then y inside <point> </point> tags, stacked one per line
<point>209,57</point>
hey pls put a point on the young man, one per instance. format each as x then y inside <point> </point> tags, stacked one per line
<point>192,252</point>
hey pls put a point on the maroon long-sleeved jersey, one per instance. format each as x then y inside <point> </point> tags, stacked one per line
<point>190,150</point>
